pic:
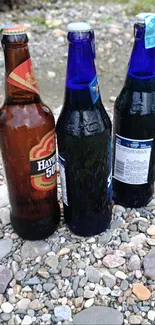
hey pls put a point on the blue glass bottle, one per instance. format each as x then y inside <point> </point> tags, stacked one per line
<point>134,126</point>
<point>84,140</point>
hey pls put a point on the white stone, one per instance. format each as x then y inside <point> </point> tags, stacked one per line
<point>151,230</point>
<point>27,320</point>
<point>81,272</point>
<point>23,303</point>
<point>120,275</point>
<point>151,315</point>
<point>138,274</point>
<point>138,239</point>
<point>17,320</point>
<point>7,307</point>
<point>51,74</point>
<point>46,317</point>
<point>4,198</point>
<point>99,252</point>
<point>5,215</point>
<point>26,289</point>
<point>104,291</point>
<point>89,303</point>
<point>62,313</point>
<point>63,251</point>
<point>151,241</point>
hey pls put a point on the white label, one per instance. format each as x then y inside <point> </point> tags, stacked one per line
<point>63,180</point>
<point>132,159</point>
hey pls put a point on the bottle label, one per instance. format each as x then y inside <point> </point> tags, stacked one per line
<point>132,159</point>
<point>94,89</point>
<point>43,163</point>
<point>109,183</point>
<point>63,180</point>
<point>150,31</point>
<point>23,77</point>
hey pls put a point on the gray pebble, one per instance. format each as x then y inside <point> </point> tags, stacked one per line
<point>124,285</point>
<point>80,292</point>
<point>81,265</point>
<point>39,288</point>
<point>125,237</point>
<point>20,275</point>
<point>83,281</point>
<point>66,272</point>
<point>47,287</point>
<point>76,283</point>
<point>143,225</point>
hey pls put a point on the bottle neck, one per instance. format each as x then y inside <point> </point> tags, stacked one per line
<point>82,87</point>
<point>142,61</point>
<point>20,84</point>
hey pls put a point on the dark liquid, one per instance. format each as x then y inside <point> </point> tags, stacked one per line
<point>40,227</point>
<point>134,118</point>
<point>83,140</point>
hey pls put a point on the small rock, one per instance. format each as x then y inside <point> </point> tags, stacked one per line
<point>108,279</point>
<point>112,99</point>
<point>33,249</point>
<point>104,291</point>
<point>66,272</point>
<point>78,302</point>
<point>32,281</point>
<point>112,261</point>
<point>58,33</point>
<point>5,278</point>
<point>105,238</point>
<point>63,251</point>
<point>89,303</point>
<point>151,241</point>
<point>116,293</point>
<point>5,246</point>
<point>20,275</point>
<point>119,208</point>
<point>4,198</point>
<point>125,237</point>
<point>23,303</point>
<point>151,315</point>
<point>134,263</point>
<point>7,307</point>
<point>76,283</point>
<point>151,230</point>
<point>89,294</point>
<point>116,224</point>
<point>93,274</point>
<point>47,287</point>
<point>55,293</point>
<point>100,252</point>
<point>82,282</point>
<point>124,285</point>
<point>15,267</point>
<point>138,239</point>
<point>36,304</point>
<point>51,74</point>
<point>62,313</point>
<point>81,265</point>
<point>138,274</point>
<point>141,292</point>
<point>52,261</point>
<point>5,216</point>
<point>135,319</point>
<point>143,225</point>
<point>43,272</point>
<point>27,320</point>
<point>149,266</point>
<point>121,275</point>
<point>98,315</point>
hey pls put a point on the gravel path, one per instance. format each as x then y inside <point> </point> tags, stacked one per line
<point>103,280</point>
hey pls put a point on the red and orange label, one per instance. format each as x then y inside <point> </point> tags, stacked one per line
<point>23,77</point>
<point>43,163</point>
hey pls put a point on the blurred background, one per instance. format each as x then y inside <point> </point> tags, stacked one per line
<point>47,21</point>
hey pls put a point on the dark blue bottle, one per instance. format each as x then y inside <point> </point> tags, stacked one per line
<point>134,126</point>
<point>84,140</point>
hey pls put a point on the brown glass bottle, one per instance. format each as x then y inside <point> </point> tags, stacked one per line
<point>27,143</point>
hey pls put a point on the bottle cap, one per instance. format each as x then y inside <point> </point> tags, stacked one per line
<point>79,27</point>
<point>13,29</point>
<point>140,18</point>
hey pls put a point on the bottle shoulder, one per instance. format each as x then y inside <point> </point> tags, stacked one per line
<point>30,115</point>
<point>130,102</point>
<point>84,122</point>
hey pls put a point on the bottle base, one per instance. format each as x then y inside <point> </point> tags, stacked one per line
<point>34,230</point>
<point>84,231</point>
<point>132,204</point>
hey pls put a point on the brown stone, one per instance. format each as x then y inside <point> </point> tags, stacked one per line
<point>141,292</point>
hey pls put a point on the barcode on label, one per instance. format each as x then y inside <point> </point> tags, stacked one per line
<point>119,167</point>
